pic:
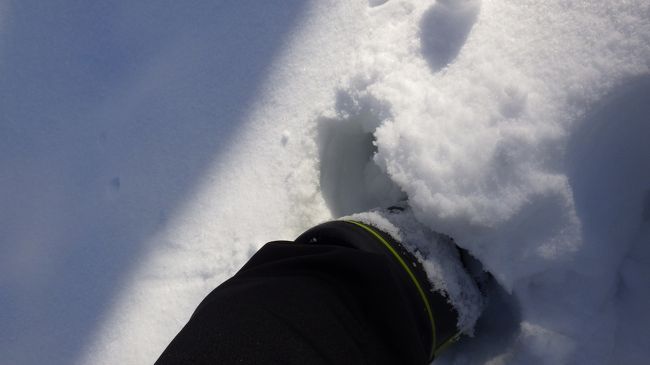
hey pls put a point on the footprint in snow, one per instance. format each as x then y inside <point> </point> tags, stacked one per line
<point>374,3</point>
<point>444,28</point>
<point>350,179</point>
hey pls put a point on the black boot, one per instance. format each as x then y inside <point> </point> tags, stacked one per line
<point>437,317</point>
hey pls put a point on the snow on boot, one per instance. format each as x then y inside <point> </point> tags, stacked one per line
<point>445,294</point>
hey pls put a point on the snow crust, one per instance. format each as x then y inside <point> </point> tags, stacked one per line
<point>148,150</point>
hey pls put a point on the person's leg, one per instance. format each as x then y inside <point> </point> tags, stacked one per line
<point>337,295</point>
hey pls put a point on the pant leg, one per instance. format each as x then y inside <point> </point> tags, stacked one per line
<point>303,304</point>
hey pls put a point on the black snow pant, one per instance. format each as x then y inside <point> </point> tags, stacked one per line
<point>307,302</point>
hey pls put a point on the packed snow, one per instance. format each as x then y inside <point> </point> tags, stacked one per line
<point>149,148</point>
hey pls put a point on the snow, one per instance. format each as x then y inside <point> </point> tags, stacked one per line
<point>149,148</point>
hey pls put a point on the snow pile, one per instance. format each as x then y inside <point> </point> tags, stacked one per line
<point>480,111</point>
<point>154,148</point>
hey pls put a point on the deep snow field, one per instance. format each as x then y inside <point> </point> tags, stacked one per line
<point>149,148</point>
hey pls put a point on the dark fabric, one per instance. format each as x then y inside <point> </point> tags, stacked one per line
<point>296,303</point>
<point>350,234</point>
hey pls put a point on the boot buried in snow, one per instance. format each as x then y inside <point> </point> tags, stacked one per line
<point>437,318</point>
<point>373,288</point>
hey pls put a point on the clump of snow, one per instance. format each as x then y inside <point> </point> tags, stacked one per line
<point>494,112</point>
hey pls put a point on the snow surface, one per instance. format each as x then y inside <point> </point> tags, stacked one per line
<point>148,148</point>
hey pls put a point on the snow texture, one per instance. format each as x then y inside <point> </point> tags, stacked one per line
<point>149,148</point>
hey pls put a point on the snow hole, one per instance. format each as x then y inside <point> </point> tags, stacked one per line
<point>350,179</point>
